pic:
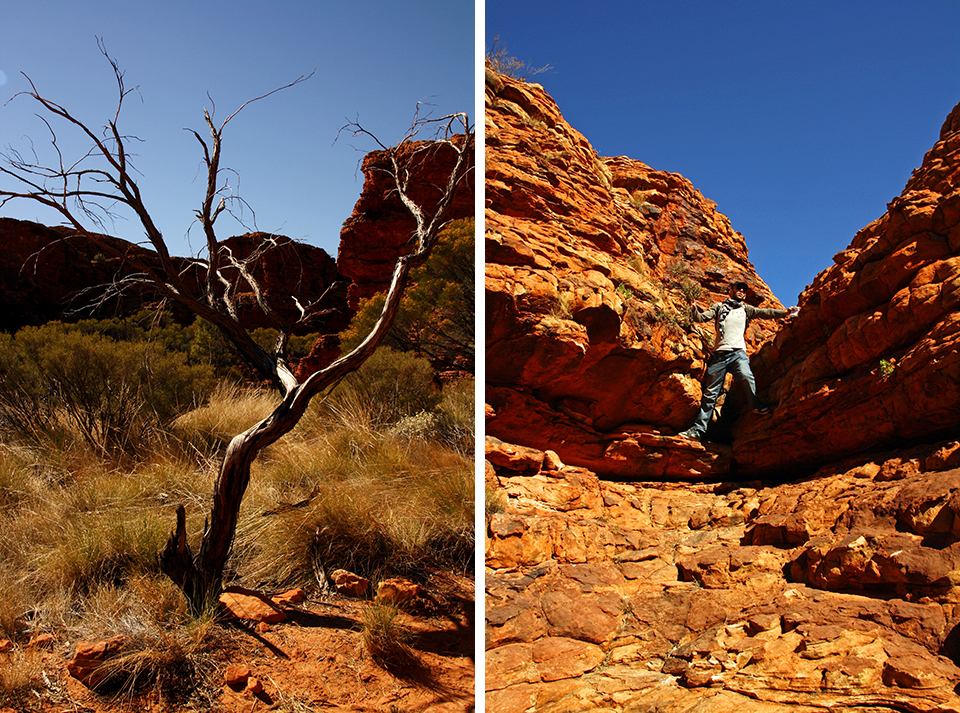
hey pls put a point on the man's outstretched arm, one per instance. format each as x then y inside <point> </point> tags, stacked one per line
<point>705,316</point>
<point>769,312</point>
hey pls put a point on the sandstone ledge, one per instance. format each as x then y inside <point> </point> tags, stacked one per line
<point>837,592</point>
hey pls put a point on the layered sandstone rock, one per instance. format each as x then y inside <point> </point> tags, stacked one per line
<point>380,227</point>
<point>839,592</point>
<point>873,357</point>
<point>591,265</point>
<point>52,273</point>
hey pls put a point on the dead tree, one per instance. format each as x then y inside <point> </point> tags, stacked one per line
<point>85,191</point>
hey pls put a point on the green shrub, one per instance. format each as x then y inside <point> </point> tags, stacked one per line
<point>393,385</point>
<point>61,383</point>
<point>691,291</point>
<point>887,367</point>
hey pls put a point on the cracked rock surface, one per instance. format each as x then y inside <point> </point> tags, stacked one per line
<point>837,592</point>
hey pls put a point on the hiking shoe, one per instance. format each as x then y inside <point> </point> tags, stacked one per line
<point>762,409</point>
<point>691,435</point>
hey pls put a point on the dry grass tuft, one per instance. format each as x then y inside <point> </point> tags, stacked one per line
<point>172,662</point>
<point>230,410</point>
<point>21,672</point>
<point>384,636</point>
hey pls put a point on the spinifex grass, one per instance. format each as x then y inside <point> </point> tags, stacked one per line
<point>383,634</point>
<point>343,494</point>
<point>80,533</point>
<point>20,672</point>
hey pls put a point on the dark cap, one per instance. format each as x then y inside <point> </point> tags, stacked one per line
<point>739,284</point>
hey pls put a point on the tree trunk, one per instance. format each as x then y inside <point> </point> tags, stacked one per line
<point>200,577</point>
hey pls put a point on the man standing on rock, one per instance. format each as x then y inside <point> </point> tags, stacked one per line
<point>730,318</point>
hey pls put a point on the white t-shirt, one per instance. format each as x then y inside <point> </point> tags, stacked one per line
<point>733,328</point>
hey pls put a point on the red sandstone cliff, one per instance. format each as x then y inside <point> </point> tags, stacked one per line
<point>380,226</point>
<point>838,591</point>
<point>46,273</point>
<point>591,263</point>
<point>872,360</point>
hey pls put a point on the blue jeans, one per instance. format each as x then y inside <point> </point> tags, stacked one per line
<point>735,362</point>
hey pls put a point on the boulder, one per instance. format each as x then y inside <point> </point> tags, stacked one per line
<point>349,583</point>
<point>89,657</point>
<point>291,596</point>
<point>397,591</point>
<point>249,605</point>
<point>236,675</point>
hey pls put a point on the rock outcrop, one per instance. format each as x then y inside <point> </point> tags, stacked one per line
<point>380,227</point>
<point>837,593</point>
<point>624,592</point>
<point>591,265</point>
<point>53,273</point>
<point>289,272</point>
<point>872,359</point>
<point>46,274</point>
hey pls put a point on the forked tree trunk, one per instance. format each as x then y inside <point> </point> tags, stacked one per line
<point>200,576</point>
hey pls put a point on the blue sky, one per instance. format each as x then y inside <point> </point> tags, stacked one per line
<point>800,119</point>
<point>374,59</point>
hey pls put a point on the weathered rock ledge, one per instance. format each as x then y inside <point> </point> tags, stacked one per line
<point>839,592</point>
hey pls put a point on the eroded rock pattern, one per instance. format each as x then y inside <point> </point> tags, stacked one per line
<point>873,357</point>
<point>591,265</point>
<point>836,591</point>
<point>839,592</point>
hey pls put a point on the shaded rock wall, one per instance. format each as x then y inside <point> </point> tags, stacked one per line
<point>591,264</point>
<point>49,273</point>
<point>289,272</point>
<point>46,275</point>
<point>873,357</point>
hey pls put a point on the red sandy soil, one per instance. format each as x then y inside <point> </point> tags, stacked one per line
<point>314,661</point>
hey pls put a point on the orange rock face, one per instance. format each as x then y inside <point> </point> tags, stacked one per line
<point>872,360</point>
<point>591,265</point>
<point>832,591</point>
<point>818,594</point>
<point>380,226</point>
